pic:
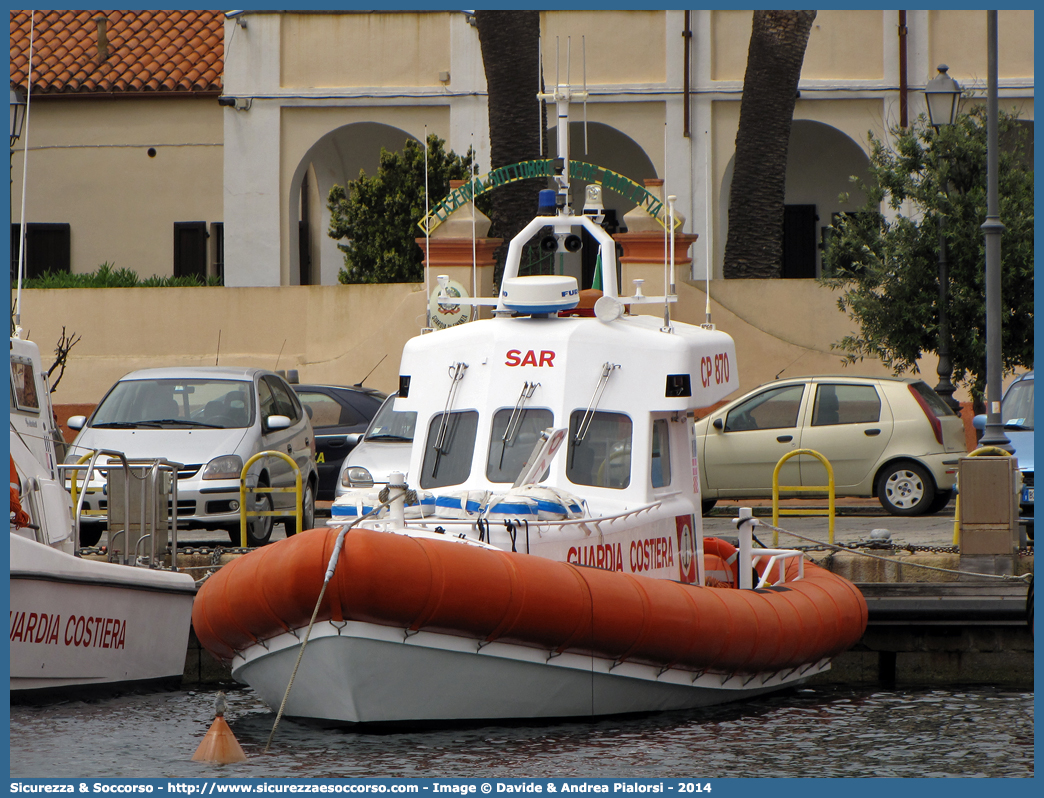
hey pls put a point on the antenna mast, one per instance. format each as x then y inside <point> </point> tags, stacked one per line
<point>25,172</point>
<point>562,95</point>
<point>427,240</point>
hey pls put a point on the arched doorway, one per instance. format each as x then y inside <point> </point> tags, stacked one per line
<point>820,161</point>
<point>334,159</point>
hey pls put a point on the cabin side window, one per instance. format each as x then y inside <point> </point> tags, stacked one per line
<point>599,449</point>
<point>661,454</point>
<point>23,384</point>
<point>511,442</point>
<point>449,449</point>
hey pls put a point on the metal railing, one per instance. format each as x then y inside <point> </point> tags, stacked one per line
<point>776,488</point>
<point>748,559</point>
<point>244,512</point>
<point>147,519</point>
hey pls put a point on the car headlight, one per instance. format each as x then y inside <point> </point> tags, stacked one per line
<point>228,466</point>
<point>356,477</point>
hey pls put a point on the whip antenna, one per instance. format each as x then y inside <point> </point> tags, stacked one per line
<point>583,54</point>
<point>474,254</point>
<point>540,90</point>
<point>25,172</point>
<point>427,238</point>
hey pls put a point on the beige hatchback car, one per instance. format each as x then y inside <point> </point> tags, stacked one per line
<point>886,437</point>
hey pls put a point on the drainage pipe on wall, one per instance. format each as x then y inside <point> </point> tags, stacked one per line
<point>903,120</point>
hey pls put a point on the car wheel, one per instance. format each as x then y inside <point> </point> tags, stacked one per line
<point>905,489</point>
<point>90,534</point>
<point>259,527</point>
<point>708,505</point>
<point>307,512</point>
<point>940,501</point>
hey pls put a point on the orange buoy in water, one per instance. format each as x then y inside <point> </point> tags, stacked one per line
<point>219,743</point>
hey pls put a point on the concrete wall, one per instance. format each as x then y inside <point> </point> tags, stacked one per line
<point>337,334</point>
<point>330,334</point>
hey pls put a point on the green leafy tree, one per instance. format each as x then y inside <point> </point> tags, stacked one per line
<point>887,265</point>
<point>378,215</point>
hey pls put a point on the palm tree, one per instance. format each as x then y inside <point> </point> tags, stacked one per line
<point>510,42</point>
<point>777,49</point>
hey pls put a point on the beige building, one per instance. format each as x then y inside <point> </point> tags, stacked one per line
<point>213,139</point>
<point>129,148</point>
<point>316,100</point>
<point>124,143</point>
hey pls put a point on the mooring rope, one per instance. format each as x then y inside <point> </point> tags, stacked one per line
<point>331,567</point>
<point>1005,577</point>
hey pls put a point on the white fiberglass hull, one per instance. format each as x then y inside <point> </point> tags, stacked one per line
<point>77,623</point>
<point>354,672</point>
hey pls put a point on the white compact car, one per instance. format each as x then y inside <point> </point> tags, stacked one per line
<point>886,437</point>
<point>212,420</point>
<point>384,448</point>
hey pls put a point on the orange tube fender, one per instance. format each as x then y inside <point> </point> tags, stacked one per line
<point>443,586</point>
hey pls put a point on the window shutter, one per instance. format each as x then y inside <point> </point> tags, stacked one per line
<point>47,249</point>
<point>190,249</point>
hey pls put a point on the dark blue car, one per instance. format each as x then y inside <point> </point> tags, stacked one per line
<point>340,415</point>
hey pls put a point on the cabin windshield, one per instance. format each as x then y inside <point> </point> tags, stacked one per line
<point>449,449</point>
<point>507,456</point>
<point>601,457</point>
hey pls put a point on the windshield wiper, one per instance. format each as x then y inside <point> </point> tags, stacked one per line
<point>388,437</point>
<point>124,424</point>
<point>184,422</point>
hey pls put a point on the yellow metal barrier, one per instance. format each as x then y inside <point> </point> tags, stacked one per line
<point>991,451</point>
<point>243,512</point>
<point>829,488</point>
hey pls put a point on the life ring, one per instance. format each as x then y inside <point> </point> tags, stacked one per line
<point>720,561</point>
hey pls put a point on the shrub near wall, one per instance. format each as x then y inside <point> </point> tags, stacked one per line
<point>108,277</point>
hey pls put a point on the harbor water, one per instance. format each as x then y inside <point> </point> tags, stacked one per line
<point>808,732</point>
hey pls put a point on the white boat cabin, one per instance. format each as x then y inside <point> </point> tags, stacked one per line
<point>624,389</point>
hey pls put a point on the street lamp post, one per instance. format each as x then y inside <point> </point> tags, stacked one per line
<point>942,95</point>
<point>992,229</point>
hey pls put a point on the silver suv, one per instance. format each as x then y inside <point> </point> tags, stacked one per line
<point>213,420</point>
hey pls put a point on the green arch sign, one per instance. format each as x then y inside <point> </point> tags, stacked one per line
<point>525,170</point>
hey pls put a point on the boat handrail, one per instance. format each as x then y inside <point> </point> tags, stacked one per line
<point>778,558</point>
<point>153,466</point>
<point>537,524</point>
<point>749,556</point>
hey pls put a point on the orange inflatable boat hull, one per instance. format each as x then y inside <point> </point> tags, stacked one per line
<point>440,586</point>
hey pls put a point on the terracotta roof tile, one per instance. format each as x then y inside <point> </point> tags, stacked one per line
<point>149,51</point>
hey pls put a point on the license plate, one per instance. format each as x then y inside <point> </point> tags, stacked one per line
<point>1027,494</point>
